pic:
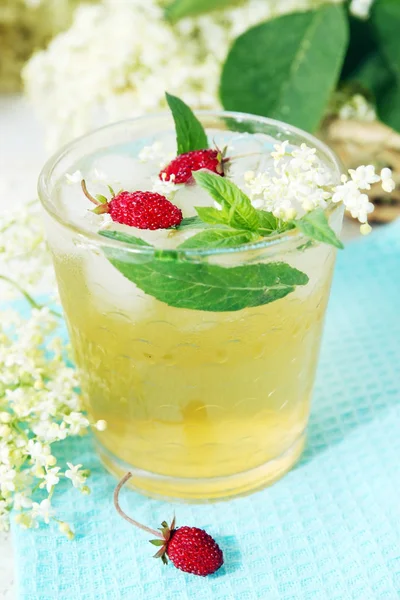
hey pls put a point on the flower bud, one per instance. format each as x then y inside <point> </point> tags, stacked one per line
<point>101,425</point>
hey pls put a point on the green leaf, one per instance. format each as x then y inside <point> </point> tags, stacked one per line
<point>192,223</point>
<point>385,17</point>
<point>157,542</point>
<point>315,226</point>
<point>219,238</point>
<point>101,198</point>
<point>190,134</point>
<point>212,216</point>
<point>288,67</point>
<point>111,190</point>
<point>362,45</point>
<point>123,237</point>
<point>269,224</point>
<point>179,9</point>
<point>388,106</point>
<point>375,76</point>
<point>235,204</point>
<point>208,287</point>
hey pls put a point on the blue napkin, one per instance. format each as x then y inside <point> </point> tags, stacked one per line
<point>329,530</point>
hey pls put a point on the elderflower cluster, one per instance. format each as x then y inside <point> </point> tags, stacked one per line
<point>81,80</point>
<point>39,406</point>
<point>301,183</point>
<point>24,260</point>
<point>26,25</point>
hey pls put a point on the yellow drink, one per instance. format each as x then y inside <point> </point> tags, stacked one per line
<point>199,404</point>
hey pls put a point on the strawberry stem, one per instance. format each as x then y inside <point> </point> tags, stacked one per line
<point>88,194</point>
<point>125,516</point>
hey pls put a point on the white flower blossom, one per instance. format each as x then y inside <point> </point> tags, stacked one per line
<point>363,176</point>
<point>300,183</point>
<point>388,184</point>
<point>164,187</point>
<point>7,477</point>
<point>77,422</point>
<point>50,479</point>
<point>42,510</point>
<point>77,477</point>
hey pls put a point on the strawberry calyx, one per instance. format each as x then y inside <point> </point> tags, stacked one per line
<point>167,532</point>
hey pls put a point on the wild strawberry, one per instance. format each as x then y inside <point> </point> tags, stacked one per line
<point>183,165</point>
<point>194,551</point>
<point>190,549</point>
<point>144,210</point>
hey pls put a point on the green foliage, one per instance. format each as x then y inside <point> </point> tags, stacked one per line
<point>288,67</point>
<point>190,134</point>
<point>179,9</point>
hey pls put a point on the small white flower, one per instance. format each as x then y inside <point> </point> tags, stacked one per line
<point>50,479</point>
<point>388,184</point>
<point>21,501</point>
<point>363,176</point>
<point>42,510</point>
<point>38,452</point>
<point>164,187</point>
<point>75,475</point>
<point>77,422</point>
<point>7,477</point>
<point>101,425</point>
<point>280,150</point>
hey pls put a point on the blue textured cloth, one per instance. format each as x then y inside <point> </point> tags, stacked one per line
<point>329,530</point>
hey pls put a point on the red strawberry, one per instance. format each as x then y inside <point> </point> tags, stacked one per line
<point>181,168</point>
<point>194,551</point>
<point>190,549</point>
<point>144,210</point>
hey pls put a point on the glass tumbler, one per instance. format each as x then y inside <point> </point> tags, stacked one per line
<point>199,404</point>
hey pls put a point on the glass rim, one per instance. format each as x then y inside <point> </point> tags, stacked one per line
<point>289,237</point>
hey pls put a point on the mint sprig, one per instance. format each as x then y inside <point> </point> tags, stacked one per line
<point>315,226</point>
<point>219,238</point>
<point>190,134</point>
<point>201,286</point>
<point>237,210</point>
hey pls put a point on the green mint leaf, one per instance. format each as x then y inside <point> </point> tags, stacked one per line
<point>287,67</point>
<point>192,223</point>
<point>209,287</point>
<point>123,237</point>
<point>219,238</point>
<point>101,198</point>
<point>179,9</point>
<point>315,226</point>
<point>212,216</point>
<point>269,224</point>
<point>190,134</point>
<point>236,206</point>
<point>385,18</point>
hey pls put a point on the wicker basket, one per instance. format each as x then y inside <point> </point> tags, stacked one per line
<point>360,142</point>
